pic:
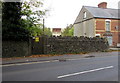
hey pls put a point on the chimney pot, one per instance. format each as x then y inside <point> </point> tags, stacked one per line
<point>102,5</point>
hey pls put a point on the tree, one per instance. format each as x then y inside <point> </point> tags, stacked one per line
<point>15,26</point>
<point>33,12</point>
<point>1,20</point>
<point>48,32</point>
<point>38,31</point>
<point>11,22</point>
<point>68,31</point>
<point>71,32</point>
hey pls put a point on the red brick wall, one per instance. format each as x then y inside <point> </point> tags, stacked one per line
<point>100,24</point>
<point>115,38</point>
<point>113,24</point>
<point>100,29</point>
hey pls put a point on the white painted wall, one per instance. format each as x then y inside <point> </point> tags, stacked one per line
<point>84,27</point>
<point>87,27</point>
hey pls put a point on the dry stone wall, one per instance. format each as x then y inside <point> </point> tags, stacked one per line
<point>16,48</point>
<point>53,45</point>
<point>63,45</point>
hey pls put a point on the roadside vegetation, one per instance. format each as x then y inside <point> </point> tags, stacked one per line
<point>21,20</point>
<point>68,31</point>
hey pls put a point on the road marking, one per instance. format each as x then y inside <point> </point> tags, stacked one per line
<point>36,62</point>
<point>27,63</point>
<point>78,73</point>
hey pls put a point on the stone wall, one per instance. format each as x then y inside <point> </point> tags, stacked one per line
<point>16,48</point>
<point>53,45</point>
<point>63,45</point>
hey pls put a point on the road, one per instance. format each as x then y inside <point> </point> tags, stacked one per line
<point>82,69</point>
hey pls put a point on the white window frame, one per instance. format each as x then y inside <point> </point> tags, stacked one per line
<point>106,28</point>
<point>84,15</point>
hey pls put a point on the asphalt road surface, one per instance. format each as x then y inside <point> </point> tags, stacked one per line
<point>82,69</point>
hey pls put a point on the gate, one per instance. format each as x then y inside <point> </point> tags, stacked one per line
<point>37,46</point>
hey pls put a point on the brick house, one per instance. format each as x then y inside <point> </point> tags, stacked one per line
<point>56,31</point>
<point>98,21</point>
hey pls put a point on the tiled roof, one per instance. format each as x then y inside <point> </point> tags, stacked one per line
<point>103,13</point>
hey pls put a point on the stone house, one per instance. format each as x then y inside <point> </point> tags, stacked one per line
<point>98,21</point>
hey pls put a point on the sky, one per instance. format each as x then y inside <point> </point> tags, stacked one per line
<point>64,12</point>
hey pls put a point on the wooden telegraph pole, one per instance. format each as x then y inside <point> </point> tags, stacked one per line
<point>43,26</point>
<point>43,36</point>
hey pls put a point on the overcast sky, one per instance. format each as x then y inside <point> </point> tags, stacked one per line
<point>64,12</point>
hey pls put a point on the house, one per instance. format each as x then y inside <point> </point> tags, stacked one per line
<point>56,31</point>
<point>98,21</point>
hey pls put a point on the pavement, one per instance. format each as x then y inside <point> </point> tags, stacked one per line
<point>114,49</point>
<point>60,58</point>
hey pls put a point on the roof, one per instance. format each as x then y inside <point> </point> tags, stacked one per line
<point>56,29</point>
<point>103,13</point>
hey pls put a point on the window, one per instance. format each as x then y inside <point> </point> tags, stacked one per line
<point>84,15</point>
<point>108,26</point>
<point>116,27</point>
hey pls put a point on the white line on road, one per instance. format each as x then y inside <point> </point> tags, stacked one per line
<point>78,73</point>
<point>27,63</point>
<point>36,62</point>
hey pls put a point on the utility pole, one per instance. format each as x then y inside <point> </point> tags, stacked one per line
<point>43,26</point>
<point>43,37</point>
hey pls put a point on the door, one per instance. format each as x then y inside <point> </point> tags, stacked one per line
<point>109,38</point>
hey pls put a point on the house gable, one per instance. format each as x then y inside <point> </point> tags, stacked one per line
<point>80,17</point>
<point>84,19</point>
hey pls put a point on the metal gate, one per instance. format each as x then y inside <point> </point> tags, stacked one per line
<point>37,46</point>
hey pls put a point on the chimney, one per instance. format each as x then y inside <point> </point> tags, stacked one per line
<point>102,5</point>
